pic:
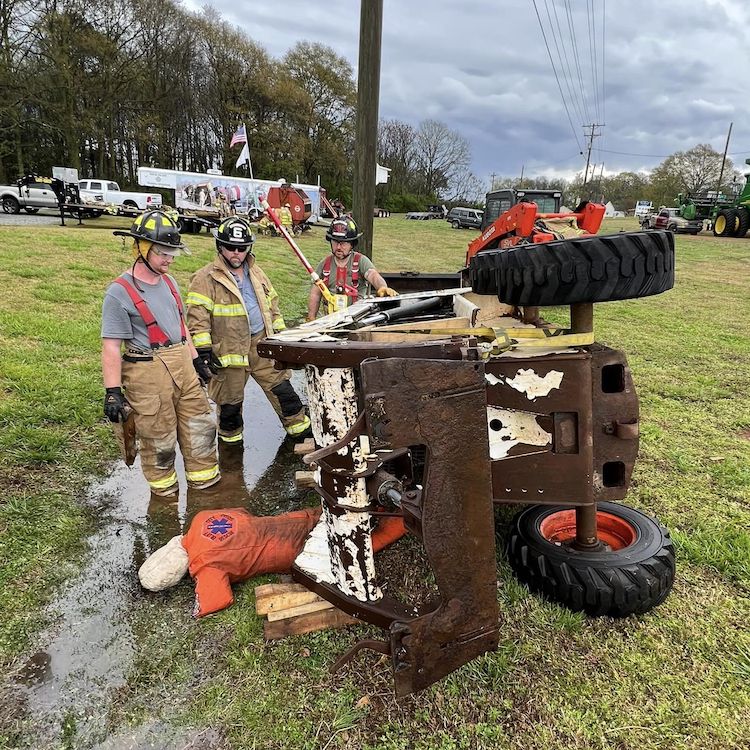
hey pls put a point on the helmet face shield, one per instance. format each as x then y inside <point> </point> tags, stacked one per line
<point>155,230</point>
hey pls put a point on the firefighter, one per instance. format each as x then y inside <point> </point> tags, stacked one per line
<point>347,273</point>
<point>232,305</point>
<point>285,216</point>
<point>151,366</point>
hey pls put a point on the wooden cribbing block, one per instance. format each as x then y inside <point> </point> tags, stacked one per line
<point>305,447</point>
<point>328,618</point>
<point>292,609</point>
<point>305,480</point>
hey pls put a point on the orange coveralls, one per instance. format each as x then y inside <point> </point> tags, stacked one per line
<point>230,545</point>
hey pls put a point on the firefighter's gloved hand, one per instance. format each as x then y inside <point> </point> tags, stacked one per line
<point>115,404</point>
<point>386,291</point>
<point>203,370</point>
<point>210,360</point>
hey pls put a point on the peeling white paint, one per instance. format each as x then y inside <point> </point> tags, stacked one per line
<point>315,558</point>
<point>508,428</point>
<point>531,384</point>
<point>537,351</point>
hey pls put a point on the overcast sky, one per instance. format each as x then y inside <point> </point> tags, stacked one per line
<point>661,77</point>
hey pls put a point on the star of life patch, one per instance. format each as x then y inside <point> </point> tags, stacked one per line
<point>218,527</point>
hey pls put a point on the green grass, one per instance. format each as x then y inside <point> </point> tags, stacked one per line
<point>674,678</point>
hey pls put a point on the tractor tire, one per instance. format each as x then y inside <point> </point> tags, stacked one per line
<point>31,210</point>
<point>587,269</point>
<point>11,205</point>
<point>632,574</point>
<point>743,222</point>
<point>725,223</point>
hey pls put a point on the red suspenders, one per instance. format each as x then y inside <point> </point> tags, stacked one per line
<point>156,337</point>
<point>341,273</point>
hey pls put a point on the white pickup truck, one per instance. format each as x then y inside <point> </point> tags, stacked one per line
<point>29,193</point>
<point>108,192</point>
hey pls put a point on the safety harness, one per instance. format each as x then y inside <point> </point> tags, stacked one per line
<point>342,287</point>
<point>156,336</point>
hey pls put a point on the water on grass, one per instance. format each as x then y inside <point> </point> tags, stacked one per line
<point>64,689</point>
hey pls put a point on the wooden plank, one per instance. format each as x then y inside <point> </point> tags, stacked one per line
<point>305,447</point>
<point>297,611</point>
<point>327,618</point>
<point>274,589</point>
<point>292,599</point>
<point>304,480</point>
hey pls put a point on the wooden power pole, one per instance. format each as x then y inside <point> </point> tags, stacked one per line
<point>366,136</point>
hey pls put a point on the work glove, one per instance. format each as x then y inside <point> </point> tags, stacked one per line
<point>115,405</point>
<point>203,370</point>
<point>210,360</point>
<point>386,291</point>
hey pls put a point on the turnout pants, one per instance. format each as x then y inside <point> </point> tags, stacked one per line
<point>227,389</point>
<point>170,409</point>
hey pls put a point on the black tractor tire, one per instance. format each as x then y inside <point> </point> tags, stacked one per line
<point>587,269</point>
<point>11,205</point>
<point>632,576</point>
<point>725,223</point>
<point>31,210</point>
<point>743,221</point>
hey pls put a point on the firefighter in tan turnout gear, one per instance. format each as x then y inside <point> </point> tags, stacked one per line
<point>232,305</point>
<point>150,364</point>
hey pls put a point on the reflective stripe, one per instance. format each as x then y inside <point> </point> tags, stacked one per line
<point>204,475</point>
<point>296,429</point>
<point>272,295</point>
<point>234,360</point>
<point>228,311</point>
<point>230,438</point>
<point>194,298</point>
<point>202,339</point>
<point>162,484</point>
<point>279,324</point>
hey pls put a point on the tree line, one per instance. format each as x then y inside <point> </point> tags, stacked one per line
<point>106,86</point>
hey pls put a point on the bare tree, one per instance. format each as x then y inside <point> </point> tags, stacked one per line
<point>442,156</point>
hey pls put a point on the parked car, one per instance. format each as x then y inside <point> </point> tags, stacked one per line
<point>464,218</point>
<point>670,219</point>
<point>30,193</point>
<point>109,192</point>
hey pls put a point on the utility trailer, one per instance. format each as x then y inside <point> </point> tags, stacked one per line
<point>436,405</point>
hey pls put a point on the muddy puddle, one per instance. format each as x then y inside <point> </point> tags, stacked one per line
<point>62,693</point>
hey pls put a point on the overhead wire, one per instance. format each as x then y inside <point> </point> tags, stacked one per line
<point>549,54</point>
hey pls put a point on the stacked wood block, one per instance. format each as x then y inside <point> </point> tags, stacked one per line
<point>292,609</point>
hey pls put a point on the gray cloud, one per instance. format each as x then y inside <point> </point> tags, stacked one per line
<point>675,74</point>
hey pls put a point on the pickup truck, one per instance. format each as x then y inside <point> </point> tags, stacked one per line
<point>29,193</point>
<point>108,192</point>
<point>670,219</point>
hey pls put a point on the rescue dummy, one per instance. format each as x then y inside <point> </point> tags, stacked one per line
<point>349,275</point>
<point>223,547</point>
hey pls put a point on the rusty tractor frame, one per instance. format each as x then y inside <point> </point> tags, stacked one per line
<point>457,407</point>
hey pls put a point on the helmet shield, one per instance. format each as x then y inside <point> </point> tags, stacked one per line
<point>233,232</point>
<point>343,230</point>
<point>155,228</point>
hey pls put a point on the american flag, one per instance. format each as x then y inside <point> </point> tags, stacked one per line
<point>239,136</point>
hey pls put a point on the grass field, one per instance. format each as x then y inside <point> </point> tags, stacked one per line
<point>678,677</point>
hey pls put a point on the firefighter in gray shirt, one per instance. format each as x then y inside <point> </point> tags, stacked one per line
<point>150,364</point>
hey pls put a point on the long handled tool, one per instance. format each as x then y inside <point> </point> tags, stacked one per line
<point>332,301</point>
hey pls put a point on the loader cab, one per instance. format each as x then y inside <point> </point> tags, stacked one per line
<point>497,202</point>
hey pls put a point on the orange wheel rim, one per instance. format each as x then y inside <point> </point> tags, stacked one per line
<point>615,532</point>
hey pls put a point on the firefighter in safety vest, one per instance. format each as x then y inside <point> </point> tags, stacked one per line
<point>148,354</point>
<point>232,305</point>
<point>347,273</point>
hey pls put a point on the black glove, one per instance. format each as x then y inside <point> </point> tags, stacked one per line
<point>203,370</point>
<point>210,360</point>
<point>115,404</point>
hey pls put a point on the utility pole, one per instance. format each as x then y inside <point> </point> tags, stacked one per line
<point>520,182</point>
<point>593,134</point>
<point>492,181</point>
<point>723,162</point>
<point>368,97</point>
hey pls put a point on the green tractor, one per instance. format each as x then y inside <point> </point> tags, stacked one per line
<point>730,218</point>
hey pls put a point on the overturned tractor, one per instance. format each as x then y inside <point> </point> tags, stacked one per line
<point>437,404</point>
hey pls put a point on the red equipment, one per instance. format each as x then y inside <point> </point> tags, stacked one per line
<point>522,223</point>
<point>299,202</point>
